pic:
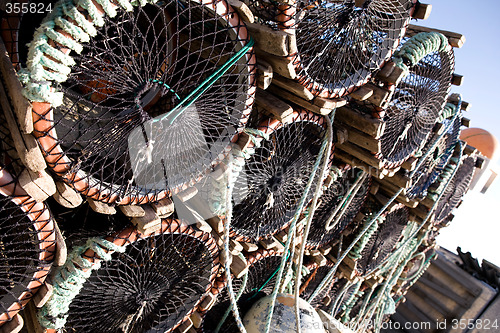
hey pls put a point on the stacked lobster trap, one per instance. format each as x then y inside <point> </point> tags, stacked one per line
<point>165,164</point>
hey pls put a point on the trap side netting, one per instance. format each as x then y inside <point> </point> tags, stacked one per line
<point>456,189</point>
<point>333,200</point>
<point>263,266</point>
<point>419,98</point>
<point>435,162</point>
<point>269,188</point>
<point>151,283</point>
<point>381,238</point>
<point>340,45</point>
<point>312,281</point>
<point>27,235</point>
<point>149,104</point>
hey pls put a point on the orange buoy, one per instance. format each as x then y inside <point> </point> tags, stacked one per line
<point>483,140</point>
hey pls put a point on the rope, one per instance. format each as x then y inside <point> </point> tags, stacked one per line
<point>371,228</point>
<point>228,311</point>
<point>448,111</point>
<point>236,164</point>
<point>227,254</point>
<point>417,47</point>
<point>308,223</point>
<point>326,146</point>
<point>70,278</point>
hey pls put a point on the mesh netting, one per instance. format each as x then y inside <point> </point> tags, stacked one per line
<point>268,190</point>
<point>338,193</point>
<point>151,287</point>
<point>381,243</point>
<point>429,170</point>
<point>312,281</point>
<point>148,106</point>
<point>340,45</point>
<point>415,106</point>
<point>263,265</point>
<point>27,236</point>
<point>456,189</point>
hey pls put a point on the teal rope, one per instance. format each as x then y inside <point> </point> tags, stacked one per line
<point>417,47</point>
<point>206,84</point>
<point>70,278</point>
<point>371,228</point>
<point>448,111</point>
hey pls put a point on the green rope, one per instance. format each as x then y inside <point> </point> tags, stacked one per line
<point>417,47</point>
<point>371,228</point>
<point>70,278</point>
<point>448,111</point>
<point>206,84</point>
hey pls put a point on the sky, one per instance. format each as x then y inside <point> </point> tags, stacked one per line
<point>476,226</point>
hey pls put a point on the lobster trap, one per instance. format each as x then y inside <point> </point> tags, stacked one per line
<point>333,47</point>
<point>340,203</point>
<point>27,234</point>
<point>268,190</point>
<point>135,102</point>
<point>142,283</point>
<point>258,282</point>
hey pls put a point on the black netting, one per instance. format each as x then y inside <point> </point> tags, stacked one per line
<point>382,242</point>
<point>456,189</point>
<point>338,294</point>
<point>151,287</point>
<point>340,45</point>
<point>312,281</point>
<point>330,200</point>
<point>27,237</point>
<point>117,128</point>
<point>268,190</point>
<point>434,163</point>
<point>260,283</point>
<point>415,107</point>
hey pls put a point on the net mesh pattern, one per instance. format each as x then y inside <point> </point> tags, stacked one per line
<point>415,107</point>
<point>260,283</point>
<point>117,129</point>
<point>330,200</point>
<point>340,45</point>
<point>312,281</point>
<point>428,172</point>
<point>268,190</point>
<point>338,294</point>
<point>151,287</point>
<point>456,189</point>
<point>27,238</point>
<point>382,242</point>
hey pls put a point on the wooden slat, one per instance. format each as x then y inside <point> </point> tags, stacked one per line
<point>455,39</point>
<point>264,74</point>
<point>22,107</point>
<point>272,104</point>
<point>361,122</point>
<point>132,210</point>
<point>25,144</point>
<point>422,11</point>
<point>101,207</point>
<point>293,87</point>
<point>66,196</point>
<point>39,185</point>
